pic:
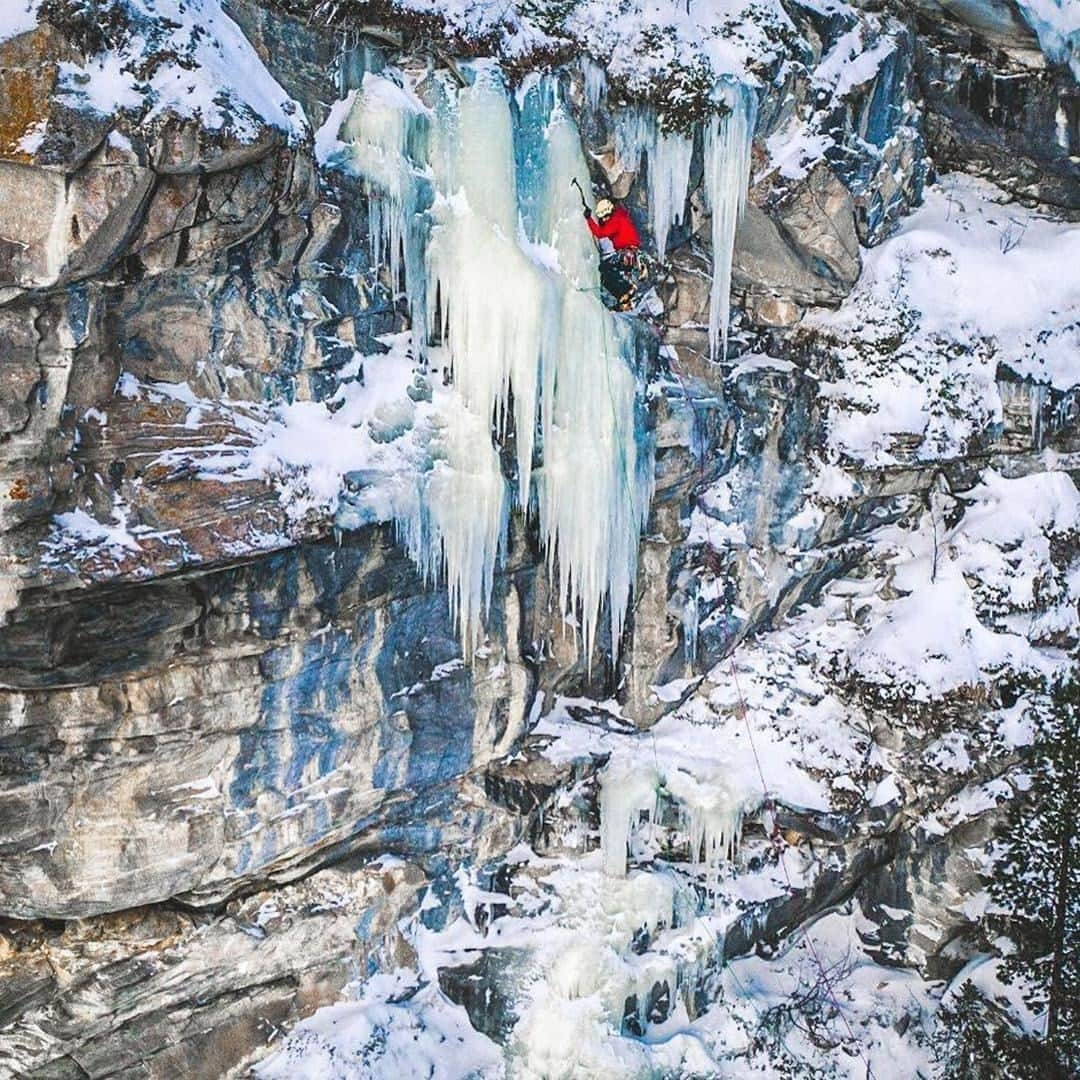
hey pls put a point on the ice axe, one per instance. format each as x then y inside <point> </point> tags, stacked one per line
<point>574,181</point>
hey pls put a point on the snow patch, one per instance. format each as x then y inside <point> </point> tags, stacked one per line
<point>18,17</point>
<point>208,70</point>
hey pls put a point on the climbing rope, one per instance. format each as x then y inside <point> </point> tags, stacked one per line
<point>779,843</point>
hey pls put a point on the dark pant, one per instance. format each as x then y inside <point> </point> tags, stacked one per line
<point>616,277</point>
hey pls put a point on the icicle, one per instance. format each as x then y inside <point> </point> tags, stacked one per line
<point>590,518</point>
<point>638,132</point>
<point>627,790</point>
<point>714,832</point>
<point>713,817</point>
<point>635,132</point>
<point>452,520</point>
<point>387,129</point>
<point>728,140</point>
<point>595,83</point>
<point>691,620</point>
<point>669,181</point>
<point>1038,394</point>
<point>499,309</point>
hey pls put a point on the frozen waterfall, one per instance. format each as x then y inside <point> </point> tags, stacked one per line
<point>473,214</point>
<point>638,131</point>
<point>387,131</point>
<point>510,281</point>
<point>631,788</point>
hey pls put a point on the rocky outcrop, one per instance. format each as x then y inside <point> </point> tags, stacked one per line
<point>237,727</point>
<point>995,106</point>
<point>156,991</point>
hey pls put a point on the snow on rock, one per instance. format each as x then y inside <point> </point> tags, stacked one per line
<point>856,57</point>
<point>77,529</point>
<point>370,433</point>
<point>852,61</point>
<point>18,17</point>
<point>857,1018</point>
<point>944,609</point>
<point>204,67</point>
<point>953,625</point>
<point>394,1027</point>
<point>713,762</point>
<point>641,43</point>
<point>918,344</point>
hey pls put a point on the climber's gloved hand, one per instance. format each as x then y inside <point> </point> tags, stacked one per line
<point>587,212</point>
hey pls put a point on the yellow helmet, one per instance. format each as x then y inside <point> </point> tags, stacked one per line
<point>604,209</point>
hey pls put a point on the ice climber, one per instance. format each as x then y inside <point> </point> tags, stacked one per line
<point>620,245</point>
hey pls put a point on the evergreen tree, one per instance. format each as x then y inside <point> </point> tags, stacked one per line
<point>1038,878</point>
<point>974,1041</point>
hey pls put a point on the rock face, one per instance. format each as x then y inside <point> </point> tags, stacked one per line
<point>266,713</point>
<point>152,990</point>
<point>995,109</point>
<point>239,751</point>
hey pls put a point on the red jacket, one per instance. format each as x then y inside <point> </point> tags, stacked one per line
<point>619,229</point>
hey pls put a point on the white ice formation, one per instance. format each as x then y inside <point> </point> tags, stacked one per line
<point>1057,25</point>
<point>510,282</point>
<point>387,132</point>
<point>631,792</point>
<point>628,792</point>
<point>728,140</point>
<point>473,213</point>
<point>726,143</point>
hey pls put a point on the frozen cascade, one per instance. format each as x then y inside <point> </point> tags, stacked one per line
<point>595,83</point>
<point>1039,395</point>
<point>669,179</point>
<point>387,131</point>
<point>669,153</point>
<point>728,140</point>
<point>512,277</point>
<point>590,978</point>
<point>631,789</point>
<point>441,538</point>
<point>498,307</point>
<point>691,624</point>
<point>627,791</point>
<point>713,816</point>
<point>588,414</point>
